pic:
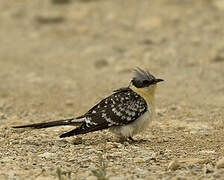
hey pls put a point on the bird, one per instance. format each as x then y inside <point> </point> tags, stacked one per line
<point>126,112</point>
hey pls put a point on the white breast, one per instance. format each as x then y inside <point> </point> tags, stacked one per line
<point>135,127</point>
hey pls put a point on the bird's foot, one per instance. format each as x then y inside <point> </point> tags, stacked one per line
<point>132,140</point>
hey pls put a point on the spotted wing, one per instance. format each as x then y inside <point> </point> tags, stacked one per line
<point>122,107</point>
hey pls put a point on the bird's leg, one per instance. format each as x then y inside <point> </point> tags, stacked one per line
<point>131,139</point>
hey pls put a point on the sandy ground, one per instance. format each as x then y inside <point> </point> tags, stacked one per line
<point>58,59</point>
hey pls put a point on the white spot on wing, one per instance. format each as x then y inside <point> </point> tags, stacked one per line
<point>129,118</point>
<point>78,120</point>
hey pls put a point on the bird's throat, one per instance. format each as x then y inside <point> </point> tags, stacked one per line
<point>148,93</point>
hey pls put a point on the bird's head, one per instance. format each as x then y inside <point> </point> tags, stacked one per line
<point>144,83</point>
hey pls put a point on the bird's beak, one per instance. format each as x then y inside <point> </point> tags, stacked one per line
<point>158,80</point>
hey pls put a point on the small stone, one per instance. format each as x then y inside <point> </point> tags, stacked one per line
<point>114,145</point>
<point>161,111</point>
<point>11,174</point>
<point>77,140</point>
<point>162,140</point>
<point>170,131</point>
<point>196,167</point>
<point>91,178</point>
<point>208,169</point>
<point>139,160</point>
<point>174,165</point>
<point>190,119</point>
<point>147,41</point>
<point>220,163</point>
<point>159,114</point>
<point>2,116</point>
<point>219,57</point>
<point>205,132</point>
<point>207,152</point>
<point>118,178</point>
<point>193,161</point>
<point>173,108</point>
<point>47,155</point>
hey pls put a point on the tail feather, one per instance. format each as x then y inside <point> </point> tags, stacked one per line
<point>68,134</point>
<point>65,122</point>
<point>83,129</point>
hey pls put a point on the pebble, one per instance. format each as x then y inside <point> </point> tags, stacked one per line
<point>147,41</point>
<point>11,174</point>
<point>219,57</point>
<point>162,140</point>
<point>47,155</point>
<point>77,140</point>
<point>174,165</point>
<point>161,111</point>
<point>91,178</point>
<point>114,145</point>
<point>220,163</point>
<point>5,159</point>
<point>196,168</point>
<point>207,152</point>
<point>193,161</point>
<point>208,169</point>
<point>170,131</point>
<point>190,119</point>
<point>2,116</point>
<point>174,108</point>
<point>205,132</point>
<point>118,178</point>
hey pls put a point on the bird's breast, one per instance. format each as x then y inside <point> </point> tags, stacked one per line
<point>134,127</point>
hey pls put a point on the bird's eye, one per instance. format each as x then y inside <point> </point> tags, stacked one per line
<point>146,82</point>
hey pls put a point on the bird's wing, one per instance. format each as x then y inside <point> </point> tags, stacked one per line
<point>122,107</point>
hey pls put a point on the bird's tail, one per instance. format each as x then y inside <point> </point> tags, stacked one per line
<point>71,122</point>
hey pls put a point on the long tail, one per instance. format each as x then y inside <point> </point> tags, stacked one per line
<point>83,129</point>
<point>73,121</point>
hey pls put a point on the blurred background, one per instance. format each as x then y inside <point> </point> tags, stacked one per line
<point>59,53</point>
<point>60,57</point>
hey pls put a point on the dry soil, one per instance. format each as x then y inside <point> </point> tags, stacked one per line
<point>58,58</point>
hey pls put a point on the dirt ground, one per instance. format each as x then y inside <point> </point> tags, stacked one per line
<point>59,57</point>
